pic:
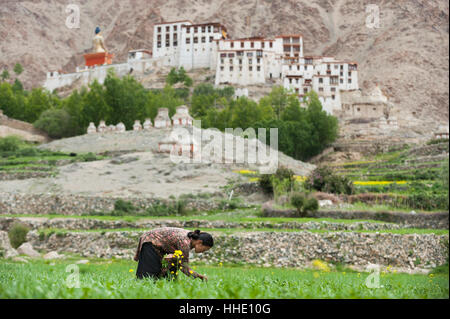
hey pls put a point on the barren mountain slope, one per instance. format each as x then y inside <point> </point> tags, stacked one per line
<point>407,56</point>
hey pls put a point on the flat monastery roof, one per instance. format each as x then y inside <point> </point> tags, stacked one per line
<point>141,50</point>
<point>173,22</point>
<point>249,39</point>
<point>216,24</point>
<point>241,50</point>
<point>290,35</point>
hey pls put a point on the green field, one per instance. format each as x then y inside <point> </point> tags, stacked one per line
<point>116,279</point>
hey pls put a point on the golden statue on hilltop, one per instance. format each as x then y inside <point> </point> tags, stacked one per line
<point>98,42</point>
<point>100,55</point>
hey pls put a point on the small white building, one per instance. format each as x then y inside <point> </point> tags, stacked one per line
<point>137,125</point>
<point>91,128</point>
<point>147,124</point>
<point>102,127</point>
<point>140,54</point>
<point>120,127</point>
<point>162,120</point>
<point>182,117</point>
<point>442,132</point>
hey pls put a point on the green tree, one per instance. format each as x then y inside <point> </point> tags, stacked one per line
<point>204,89</point>
<point>17,86</point>
<point>7,99</point>
<point>200,103</point>
<point>37,102</point>
<point>245,113</point>
<point>4,75</point>
<point>55,122</point>
<point>95,107</point>
<point>18,69</point>
<point>172,77</point>
<point>127,99</point>
<point>177,76</point>
<point>324,127</point>
<point>278,98</point>
<point>163,98</point>
<point>74,106</point>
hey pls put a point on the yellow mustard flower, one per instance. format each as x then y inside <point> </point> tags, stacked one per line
<point>245,172</point>
<point>191,272</point>
<point>320,265</point>
<point>375,183</point>
<point>299,178</point>
<point>131,270</point>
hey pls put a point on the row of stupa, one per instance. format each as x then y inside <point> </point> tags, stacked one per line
<point>162,120</point>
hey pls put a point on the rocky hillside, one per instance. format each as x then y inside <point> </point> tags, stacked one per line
<point>407,56</point>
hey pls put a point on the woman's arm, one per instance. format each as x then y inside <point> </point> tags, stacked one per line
<point>184,267</point>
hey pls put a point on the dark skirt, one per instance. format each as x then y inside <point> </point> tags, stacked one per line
<point>149,264</point>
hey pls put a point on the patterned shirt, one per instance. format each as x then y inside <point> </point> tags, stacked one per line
<point>166,240</point>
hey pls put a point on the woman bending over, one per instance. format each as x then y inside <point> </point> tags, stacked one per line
<point>176,244</point>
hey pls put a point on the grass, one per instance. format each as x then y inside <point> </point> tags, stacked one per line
<point>359,206</point>
<point>111,279</point>
<point>405,231</point>
<point>226,217</point>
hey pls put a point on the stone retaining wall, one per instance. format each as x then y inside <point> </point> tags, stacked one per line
<point>9,176</point>
<point>295,249</point>
<point>438,220</point>
<point>91,224</point>
<point>77,204</point>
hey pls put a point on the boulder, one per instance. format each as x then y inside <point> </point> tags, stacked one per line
<point>53,255</point>
<point>11,253</point>
<point>5,245</point>
<point>325,202</point>
<point>27,249</point>
<point>20,259</point>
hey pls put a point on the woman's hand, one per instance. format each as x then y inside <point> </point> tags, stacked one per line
<point>203,277</point>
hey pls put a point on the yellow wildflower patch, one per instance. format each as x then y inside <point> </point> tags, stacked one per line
<point>300,178</point>
<point>377,183</point>
<point>320,265</point>
<point>245,172</point>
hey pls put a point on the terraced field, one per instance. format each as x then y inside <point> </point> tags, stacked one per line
<point>116,279</point>
<point>323,256</point>
<point>416,177</point>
